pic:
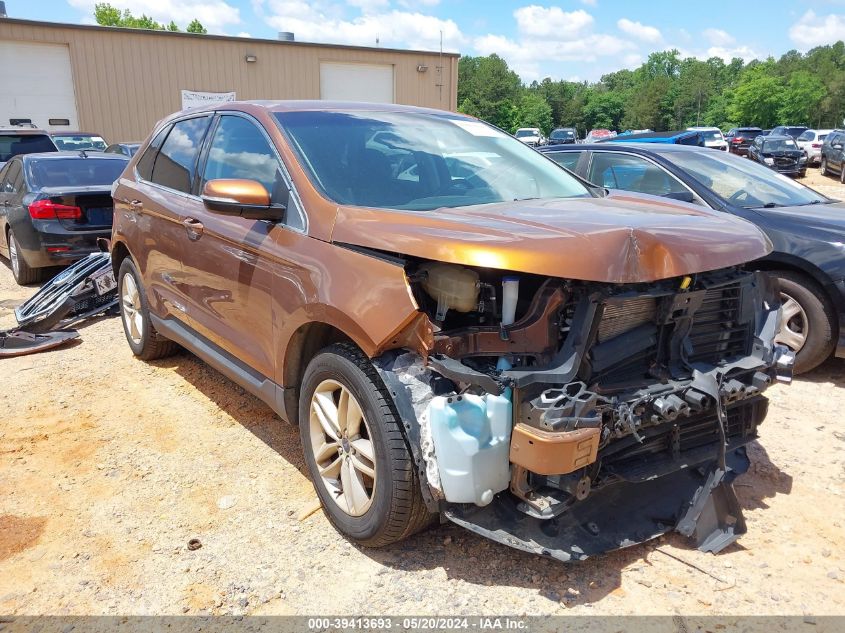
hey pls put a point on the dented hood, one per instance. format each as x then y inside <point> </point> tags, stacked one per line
<point>622,238</point>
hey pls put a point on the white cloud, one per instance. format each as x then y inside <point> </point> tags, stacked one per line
<point>243,34</point>
<point>215,15</point>
<point>589,3</point>
<point>639,30</point>
<point>727,54</point>
<point>632,61</point>
<point>369,6</point>
<point>718,37</point>
<point>527,56</point>
<point>551,22</point>
<point>815,30</point>
<point>325,22</point>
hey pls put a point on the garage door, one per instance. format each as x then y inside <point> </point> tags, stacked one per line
<point>356,82</point>
<point>37,84</point>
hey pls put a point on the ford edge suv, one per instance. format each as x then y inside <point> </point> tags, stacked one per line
<point>498,344</point>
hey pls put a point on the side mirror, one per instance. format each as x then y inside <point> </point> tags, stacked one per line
<point>240,197</point>
<point>683,196</point>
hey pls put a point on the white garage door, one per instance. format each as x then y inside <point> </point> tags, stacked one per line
<point>356,82</point>
<point>36,83</point>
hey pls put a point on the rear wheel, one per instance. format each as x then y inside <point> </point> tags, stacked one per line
<point>823,166</point>
<point>807,321</point>
<point>356,453</point>
<point>146,343</point>
<point>21,271</point>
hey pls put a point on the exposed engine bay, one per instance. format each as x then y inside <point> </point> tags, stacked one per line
<point>570,417</point>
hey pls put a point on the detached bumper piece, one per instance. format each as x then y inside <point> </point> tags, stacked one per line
<point>697,501</point>
<point>21,343</point>
<point>81,291</point>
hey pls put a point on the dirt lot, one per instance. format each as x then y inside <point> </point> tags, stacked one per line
<point>108,466</point>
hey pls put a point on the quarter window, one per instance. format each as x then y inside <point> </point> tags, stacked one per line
<point>176,163</point>
<point>12,181</point>
<point>148,158</point>
<point>632,173</point>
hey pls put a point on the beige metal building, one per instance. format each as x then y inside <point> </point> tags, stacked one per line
<point>119,82</point>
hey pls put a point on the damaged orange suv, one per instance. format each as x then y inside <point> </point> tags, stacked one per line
<point>459,327</point>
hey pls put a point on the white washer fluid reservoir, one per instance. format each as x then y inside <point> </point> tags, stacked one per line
<point>471,437</point>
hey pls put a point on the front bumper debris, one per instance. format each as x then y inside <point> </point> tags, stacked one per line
<point>613,519</point>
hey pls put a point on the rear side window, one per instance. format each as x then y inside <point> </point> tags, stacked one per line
<point>807,136</point>
<point>17,144</point>
<point>176,163</point>
<point>13,181</point>
<point>565,159</point>
<point>148,158</point>
<point>74,172</point>
<point>631,173</point>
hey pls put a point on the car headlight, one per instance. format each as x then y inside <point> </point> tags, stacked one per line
<point>769,161</point>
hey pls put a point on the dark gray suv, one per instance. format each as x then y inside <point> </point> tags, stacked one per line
<point>831,155</point>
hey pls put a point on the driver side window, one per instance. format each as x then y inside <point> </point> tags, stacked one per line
<point>632,173</point>
<point>240,150</point>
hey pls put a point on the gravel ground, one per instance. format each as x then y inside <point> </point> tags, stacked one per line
<point>109,466</point>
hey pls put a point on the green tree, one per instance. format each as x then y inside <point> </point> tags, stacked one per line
<point>534,111</point>
<point>196,27</point>
<point>108,15</point>
<point>489,89</point>
<point>758,96</point>
<point>801,98</point>
<point>604,110</point>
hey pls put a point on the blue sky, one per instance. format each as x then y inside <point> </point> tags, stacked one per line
<point>577,39</point>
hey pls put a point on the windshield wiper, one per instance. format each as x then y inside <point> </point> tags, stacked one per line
<point>771,205</point>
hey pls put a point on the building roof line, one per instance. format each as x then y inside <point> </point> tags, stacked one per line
<point>228,38</point>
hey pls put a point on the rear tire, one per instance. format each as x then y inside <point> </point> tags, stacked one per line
<point>823,166</point>
<point>391,507</point>
<point>144,341</point>
<point>815,322</point>
<point>22,272</point>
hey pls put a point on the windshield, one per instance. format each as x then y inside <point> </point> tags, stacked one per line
<point>809,135</point>
<point>14,144</point>
<point>75,172</point>
<point>779,145</point>
<point>78,142</point>
<point>404,160</point>
<point>563,134</point>
<point>749,132</point>
<point>743,182</point>
<point>524,133</point>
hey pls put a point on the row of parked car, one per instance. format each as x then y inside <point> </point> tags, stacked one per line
<point>786,149</point>
<point>523,342</point>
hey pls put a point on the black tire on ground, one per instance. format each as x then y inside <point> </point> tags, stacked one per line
<point>821,318</point>
<point>21,271</point>
<point>842,173</point>
<point>151,344</point>
<point>823,166</point>
<point>397,510</point>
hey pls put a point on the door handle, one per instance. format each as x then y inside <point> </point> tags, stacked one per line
<point>193,227</point>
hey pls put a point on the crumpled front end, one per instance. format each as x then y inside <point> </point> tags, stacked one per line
<point>570,418</point>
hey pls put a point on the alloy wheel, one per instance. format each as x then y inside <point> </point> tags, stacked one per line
<point>13,256</point>
<point>342,448</point>
<point>793,328</point>
<point>130,300</point>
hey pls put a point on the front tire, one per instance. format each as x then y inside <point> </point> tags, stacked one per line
<point>808,321</point>
<point>144,341</point>
<point>22,272</point>
<point>359,461</point>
